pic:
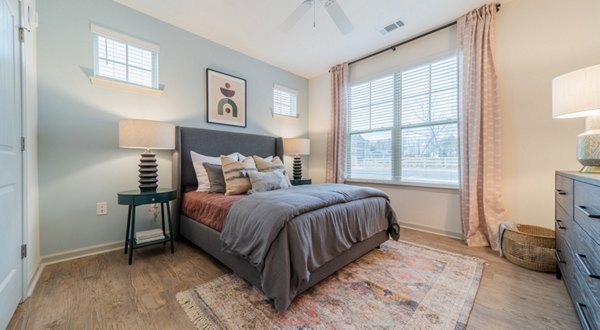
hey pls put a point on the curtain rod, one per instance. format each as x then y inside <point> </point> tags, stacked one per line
<point>409,40</point>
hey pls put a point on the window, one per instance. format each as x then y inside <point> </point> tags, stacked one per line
<point>403,127</point>
<point>284,101</point>
<point>123,58</point>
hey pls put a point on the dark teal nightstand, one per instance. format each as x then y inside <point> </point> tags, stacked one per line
<point>134,198</point>
<point>301,182</point>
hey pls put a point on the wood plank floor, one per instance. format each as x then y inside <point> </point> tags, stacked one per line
<point>102,292</point>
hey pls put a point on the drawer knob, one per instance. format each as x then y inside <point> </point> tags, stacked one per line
<point>561,192</point>
<point>587,211</point>
<point>583,261</point>
<point>559,224</point>
<point>153,199</point>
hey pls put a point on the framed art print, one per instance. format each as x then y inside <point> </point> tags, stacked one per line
<point>226,98</point>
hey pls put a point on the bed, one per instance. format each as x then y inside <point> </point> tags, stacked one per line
<point>278,276</point>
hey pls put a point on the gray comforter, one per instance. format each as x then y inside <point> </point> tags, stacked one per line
<point>288,233</point>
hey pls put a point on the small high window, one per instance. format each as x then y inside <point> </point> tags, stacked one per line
<point>123,58</point>
<point>284,101</point>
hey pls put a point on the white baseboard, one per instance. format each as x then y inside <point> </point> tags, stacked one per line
<point>70,255</point>
<point>34,280</point>
<point>82,252</point>
<point>430,230</point>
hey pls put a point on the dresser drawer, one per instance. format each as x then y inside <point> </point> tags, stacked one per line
<point>583,302</point>
<point>564,193</point>
<point>562,219</point>
<point>586,305</point>
<point>587,209</point>
<point>585,256</point>
<point>562,251</point>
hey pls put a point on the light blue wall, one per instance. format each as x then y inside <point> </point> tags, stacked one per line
<point>79,160</point>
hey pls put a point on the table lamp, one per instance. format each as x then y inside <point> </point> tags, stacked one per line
<point>577,94</point>
<point>297,148</point>
<point>147,134</point>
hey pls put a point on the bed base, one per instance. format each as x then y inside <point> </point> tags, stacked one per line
<point>208,240</point>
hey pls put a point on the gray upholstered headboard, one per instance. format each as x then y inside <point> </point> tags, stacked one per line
<point>212,143</point>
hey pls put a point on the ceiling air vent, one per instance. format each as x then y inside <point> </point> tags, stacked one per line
<point>391,27</point>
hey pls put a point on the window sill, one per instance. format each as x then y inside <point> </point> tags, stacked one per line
<point>275,115</point>
<point>439,186</point>
<point>96,80</point>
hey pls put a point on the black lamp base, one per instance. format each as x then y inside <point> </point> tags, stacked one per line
<point>148,171</point>
<point>297,166</point>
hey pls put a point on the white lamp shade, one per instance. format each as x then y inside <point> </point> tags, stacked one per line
<point>146,134</point>
<point>577,93</point>
<point>296,146</point>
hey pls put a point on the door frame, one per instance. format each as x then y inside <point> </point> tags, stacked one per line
<point>24,152</point>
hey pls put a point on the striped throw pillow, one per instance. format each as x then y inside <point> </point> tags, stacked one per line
<point>236,175</point>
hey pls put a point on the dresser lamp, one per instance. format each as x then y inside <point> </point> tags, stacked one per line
<point>148,135</point>
<point>296,148</point>
<point>577,94</point>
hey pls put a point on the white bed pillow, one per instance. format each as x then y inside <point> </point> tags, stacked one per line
<point>201,175</point>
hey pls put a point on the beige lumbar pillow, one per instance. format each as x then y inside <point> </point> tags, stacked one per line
<point>271,165</point>
<point>236,175</point>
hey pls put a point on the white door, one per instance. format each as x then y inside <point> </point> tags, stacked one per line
<point>10,162</point>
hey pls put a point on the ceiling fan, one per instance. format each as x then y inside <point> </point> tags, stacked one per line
<point>331,6</point>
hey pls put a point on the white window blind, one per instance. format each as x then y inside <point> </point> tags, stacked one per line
<point>403,127</point>
<point>123,58</point>
<point>285,101</point>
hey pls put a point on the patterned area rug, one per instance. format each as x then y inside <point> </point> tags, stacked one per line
<point>401,285</point>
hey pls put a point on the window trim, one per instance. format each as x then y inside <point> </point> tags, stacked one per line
<point>406,183</point>
<point>96,79</point>
<point>289,91</point>
<point>104,81</point>
<point>396,129</point>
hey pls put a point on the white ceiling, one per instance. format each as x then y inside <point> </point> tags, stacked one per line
<point>253,27</point>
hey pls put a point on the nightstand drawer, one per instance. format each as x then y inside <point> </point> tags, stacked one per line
<point>134,197</point>
<point>300,182</point>
<point>564,194</point>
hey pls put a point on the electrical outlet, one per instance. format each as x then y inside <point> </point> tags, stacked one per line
<point>101,208</point>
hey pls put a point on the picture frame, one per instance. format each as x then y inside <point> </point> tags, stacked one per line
<point>226,99</point>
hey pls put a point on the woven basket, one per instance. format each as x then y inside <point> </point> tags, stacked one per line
<point>531,247</point>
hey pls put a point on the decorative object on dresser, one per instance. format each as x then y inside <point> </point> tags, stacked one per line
<point>577,214</point>
<point>146,134</point>
<point>226,99</point>
<point>577,94</point>
<point>297,148</point>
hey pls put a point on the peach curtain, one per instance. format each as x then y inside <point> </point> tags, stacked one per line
<point>479,129</point>
<point>336,138</point>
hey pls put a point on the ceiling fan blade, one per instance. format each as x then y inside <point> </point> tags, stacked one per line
<point>297,14</point>
<point>339,17</point>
